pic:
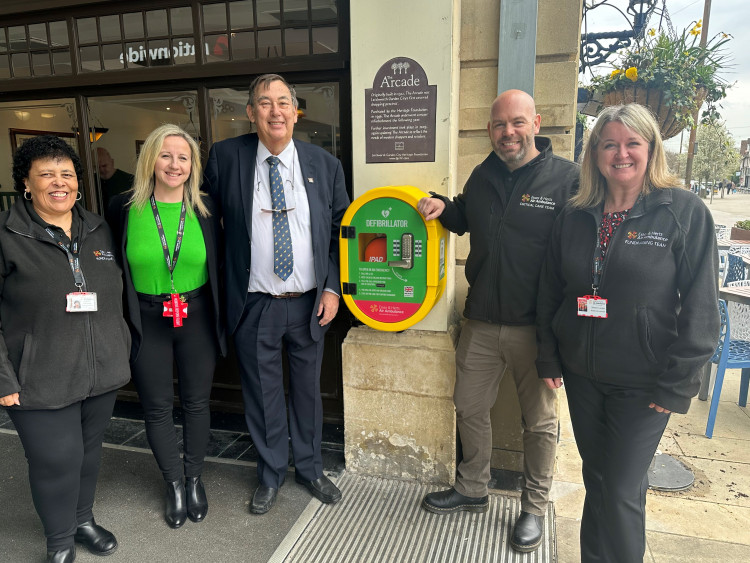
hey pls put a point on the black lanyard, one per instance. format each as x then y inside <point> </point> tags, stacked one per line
<point>596,270</point>
<point>171,262</point>
<point>72,252</point>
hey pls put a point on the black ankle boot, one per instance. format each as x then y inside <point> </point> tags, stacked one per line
<point>96,539</point>
<point>176,510</point>
<point>197,503</point>
<point>67,555</point>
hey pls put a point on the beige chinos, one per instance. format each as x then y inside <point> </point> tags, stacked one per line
<point>485,353</point>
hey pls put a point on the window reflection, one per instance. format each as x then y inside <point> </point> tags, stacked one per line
<point>87,30</point>
<point>214,17</point>
<point>90,59</point>
<point>109,27</point>
<point>156,23</point>
<point>58,33</point>
<point>182,20</point>
<point>38,35</point>
<point>269,44</point>
<point>241,14</point>
<point>42,66</point>
<point>133,24</point>
<point>20,63</point>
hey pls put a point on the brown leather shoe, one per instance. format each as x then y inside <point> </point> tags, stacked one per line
<point>446,502</point>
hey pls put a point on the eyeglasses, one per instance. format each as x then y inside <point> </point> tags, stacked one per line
<point>289,200</point>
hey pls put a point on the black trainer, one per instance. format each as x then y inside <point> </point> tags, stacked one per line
<point>445,502</point>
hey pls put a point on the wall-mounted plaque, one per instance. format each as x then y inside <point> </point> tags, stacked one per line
<point>400,114</point>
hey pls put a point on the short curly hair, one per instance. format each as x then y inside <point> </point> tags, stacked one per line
<point>43,147</point>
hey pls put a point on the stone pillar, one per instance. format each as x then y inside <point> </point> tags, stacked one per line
<point>398,404</point>
<point>398,409</point>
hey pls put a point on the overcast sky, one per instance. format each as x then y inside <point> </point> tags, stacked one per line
<point>728,16</point>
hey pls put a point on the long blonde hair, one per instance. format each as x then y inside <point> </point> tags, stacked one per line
<point>143,185</point>
<point>637,118</point>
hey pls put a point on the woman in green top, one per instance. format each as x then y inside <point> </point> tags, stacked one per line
<point>168,242</point>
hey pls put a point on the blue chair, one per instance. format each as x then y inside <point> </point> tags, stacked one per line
<point>734,270</point>
<point>729,354</point>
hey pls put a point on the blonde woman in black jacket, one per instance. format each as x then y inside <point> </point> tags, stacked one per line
<point>64,344</point>
<point>628,316</point>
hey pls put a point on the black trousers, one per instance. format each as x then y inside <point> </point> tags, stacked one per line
<point>64,448</point>
<point>194,348</point>
<point>617,436</point>
<point>266,323</point>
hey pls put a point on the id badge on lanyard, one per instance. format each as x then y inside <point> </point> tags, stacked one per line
<point>174,307</point>
<point>77,301</point>
<point>594,305</point>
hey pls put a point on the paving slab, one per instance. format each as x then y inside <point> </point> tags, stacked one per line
<point>130,502</point>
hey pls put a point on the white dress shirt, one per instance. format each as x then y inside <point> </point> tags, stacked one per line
<point>262,277</point>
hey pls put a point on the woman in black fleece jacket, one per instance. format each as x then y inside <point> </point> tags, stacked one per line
<point>64,343</point>
<point>627,314</point>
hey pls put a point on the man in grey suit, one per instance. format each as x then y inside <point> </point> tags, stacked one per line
<point>281,201</point>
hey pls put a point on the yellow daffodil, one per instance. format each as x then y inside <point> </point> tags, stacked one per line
<point>615,73</point>
<point>652,32</point>
<point>695,31</point>
<point>632,73</point>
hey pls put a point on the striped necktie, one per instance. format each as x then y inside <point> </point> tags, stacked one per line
<point>283,256</point>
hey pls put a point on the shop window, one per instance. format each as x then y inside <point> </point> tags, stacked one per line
<point>241,30</point>
<point>241,14</point>
<point>87,30</point>
<point>156,23</point>
<point>214,17</point>
<point>133,25</point>
<point>38,34</point>
<point>325,40</point>
<point>112,59</point>
<point>269,44</point>
<point>217,47</point>
<point>297,42</point>
<point>58,32</point>
<point>184,51</point>
<point>109,27</point>
<point>17,38</point>
<point>20,65</point>
<point>243,45</point>
<point>181,20</point>
<point>90,61</point>
<point>4,67</point>
<point>61,62</point>
<point>268,13</point>
<point>41,64</point>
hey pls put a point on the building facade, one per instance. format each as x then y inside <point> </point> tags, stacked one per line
<point>105,73</point>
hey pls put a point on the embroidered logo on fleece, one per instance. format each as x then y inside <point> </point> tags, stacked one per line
<point>537,202</point>
<point>107,255</point>
<point>651,238</point>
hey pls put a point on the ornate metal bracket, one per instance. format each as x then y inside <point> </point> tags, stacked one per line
<point>594,51</point>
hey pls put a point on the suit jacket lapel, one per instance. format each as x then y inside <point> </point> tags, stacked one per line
<point>246,155</point>
<point>309,179</point>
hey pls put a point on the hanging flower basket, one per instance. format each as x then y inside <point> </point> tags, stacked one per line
<point>673,75</point>
<point>671,118</point>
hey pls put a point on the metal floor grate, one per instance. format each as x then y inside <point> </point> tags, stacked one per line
<point>380,520</point>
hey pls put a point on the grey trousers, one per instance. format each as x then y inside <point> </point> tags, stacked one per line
<point>485,353</point>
